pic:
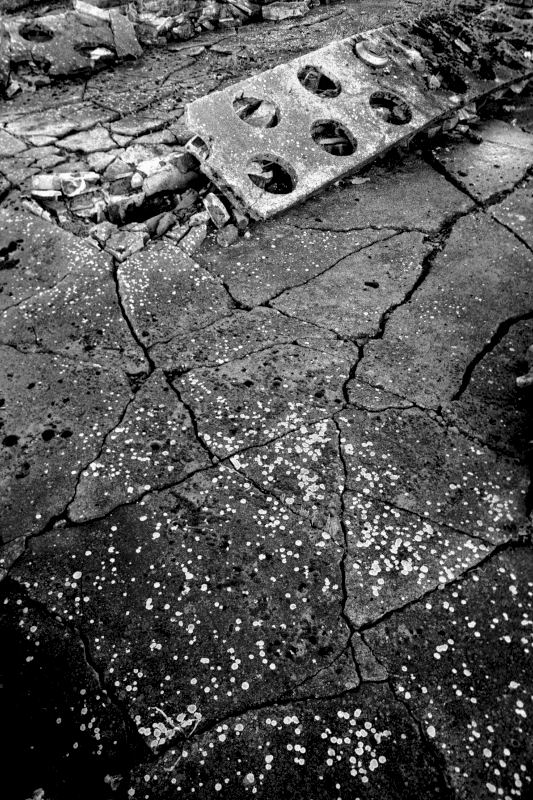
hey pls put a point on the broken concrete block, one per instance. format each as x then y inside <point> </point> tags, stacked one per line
<point>92,141</point>
<point>9,145</point>
<point>91,10</point>
<point>123,244</point>
<point>199,218</point>
<point>102,231</point>
<point>285,10</point>
<point>227,235</point>
<point>216,210</point>
<point>169,179</point>
<point>126,42</point>
<point>119,207</point>
<point>194,239</point>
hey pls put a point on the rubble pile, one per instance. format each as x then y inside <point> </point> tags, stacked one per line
<point>131,201</point>
<point>99,33</point>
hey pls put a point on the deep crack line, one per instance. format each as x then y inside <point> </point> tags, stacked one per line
<point>131,328</point>
<point>501,331</point>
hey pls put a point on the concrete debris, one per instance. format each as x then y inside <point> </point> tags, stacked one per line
<point>227,235</point>
<point>285,10</point>
<point>525,381</point>
<point>355,98</point>
<point>216,210</point>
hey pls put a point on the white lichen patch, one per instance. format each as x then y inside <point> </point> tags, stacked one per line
<point>410,460</point>
<point>395,557</point>
<point>461,661</point>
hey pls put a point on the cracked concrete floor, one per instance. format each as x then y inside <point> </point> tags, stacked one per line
<point>265,514</point>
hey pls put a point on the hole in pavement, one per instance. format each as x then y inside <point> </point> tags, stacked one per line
<point>333,137</point>
<point>10,441</point>
<point>36,32</point>
<point>315,81</point>
<point>391,108</point>
<point>269,174</point>
<point>257,113</point>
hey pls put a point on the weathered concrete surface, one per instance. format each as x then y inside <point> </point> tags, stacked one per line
<point>480,279</point>
<point>294,507</point>
<point>496,165</point>
<point>515,212</point>
<point>363,742</point>
<point>460,662</point>
<point>352,297</point>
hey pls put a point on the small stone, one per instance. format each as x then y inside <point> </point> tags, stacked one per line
<point>279,11</point>
<point>187,200</point>
<point>126,42</point>
<point>240,219</point>
<point>103,231</point>
<point>123,244</point>
<point>194,239</point>
<point>199,218</point>
<point>227,235</point>
<point>216,210</point>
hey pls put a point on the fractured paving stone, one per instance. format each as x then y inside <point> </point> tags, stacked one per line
<point>303,470</point>
<point>262,396</point>
<point>96,140</point>
<point>461,662</point>
<point>207,594</point>
<point>411,195</point>
<point>515,212</point>
<point>490,167</point>
<point>59,121</point>
<point>79,317</point>
<point>238,335</point>
<point>352,296</point>
<point>165,292</point>
<point>55,414</point>
<point>135,458</point>
<point>279,256</point>
<point>480,279</point>
<point>363,744</point>
<point>35,255</point>
<point>74,725</point>
<point>408,459</point>
<point>492,407</point>
<point>9,145</point>
<point>395,557</point>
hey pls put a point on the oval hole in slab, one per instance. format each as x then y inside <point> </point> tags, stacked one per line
<point>271,174</point>
<point>391,108</point>
<point>333,137</point>
<point>257,113</point>
<point>317,82</point>
<point>36,32</point>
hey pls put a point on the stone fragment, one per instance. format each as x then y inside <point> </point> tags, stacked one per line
<point>124,244</point>
<point>284,10</point>
<point>136,125</point>
<point>227,236</point>
<point>193,240</point>
<point>91,10</point>
<point>9,145</point>
<point>92,141</point>
<point>216,209</point>
<point>103,231</point>
<point>100,161</point>
<point>126,42</point>
<point>119,207</point>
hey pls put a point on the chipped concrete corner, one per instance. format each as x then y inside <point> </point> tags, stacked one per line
<point>266,513</point>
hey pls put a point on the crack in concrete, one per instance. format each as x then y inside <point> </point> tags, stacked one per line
<point>509,544</point>
<point>36,293</point>
<point>133,332</point>
<point>501,331</point>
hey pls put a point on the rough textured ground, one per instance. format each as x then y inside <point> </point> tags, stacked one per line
<point>265,514</point>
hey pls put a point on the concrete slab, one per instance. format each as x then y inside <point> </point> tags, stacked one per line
<point>515,212</point>
<point>407,196</point>
<point>240,334</point>
<point>363,744</point>
<point>496,165</point>
<point>352,297</point>
<point>182,605</point>
<point>481,278</point>
<point>262,396</point>
<point>279,256</point>
<point>164,291</point>
<point>492,407</point>
<point>407,459</point>
<point>395,557</point>
<point>471,644</point>
<point>134,458</point>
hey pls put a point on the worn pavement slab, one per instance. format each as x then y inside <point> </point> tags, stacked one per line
<point>266,513</point>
